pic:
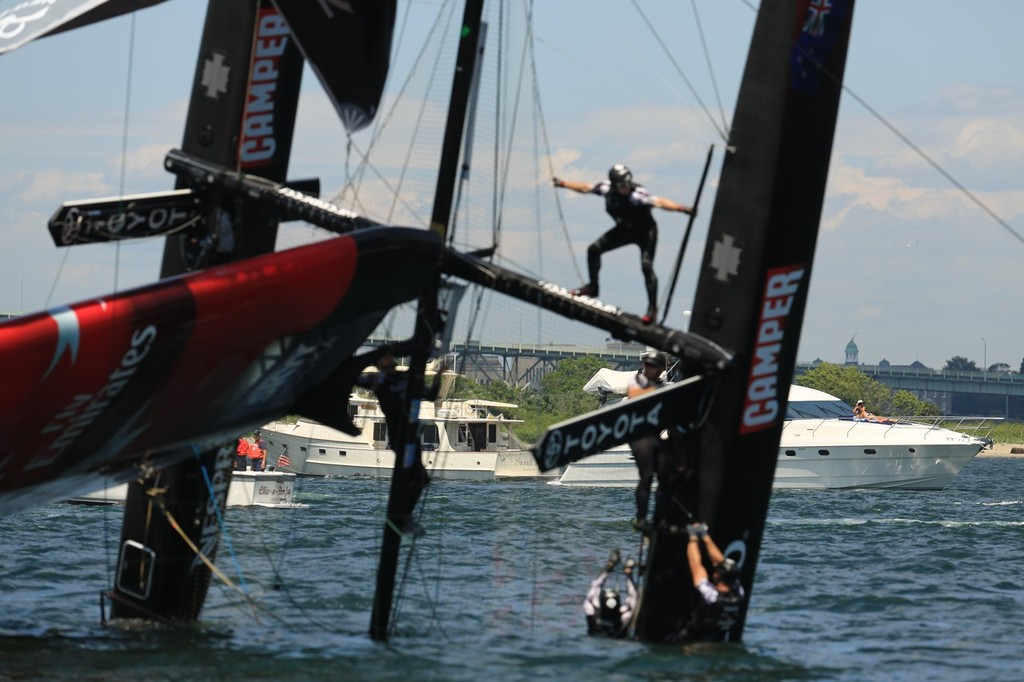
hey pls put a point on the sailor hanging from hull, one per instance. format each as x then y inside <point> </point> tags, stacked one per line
<point>719,593</point>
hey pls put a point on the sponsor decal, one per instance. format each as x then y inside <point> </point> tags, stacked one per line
<point>123,219</point>
<point>730,615</point>
<point>68,337</point>
<point>258,143</point>
<point>725,258</point>
<point>216,73</point>
<point>84,408</point>
<point>14,20</point>
<point>761,399</point>
<point>571,442</point>
<point>284,378</point>
<point>210,535</point>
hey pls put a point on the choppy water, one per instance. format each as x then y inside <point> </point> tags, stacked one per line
<point>854,585</point>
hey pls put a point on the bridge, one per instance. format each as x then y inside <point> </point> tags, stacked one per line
<point>970,393</point>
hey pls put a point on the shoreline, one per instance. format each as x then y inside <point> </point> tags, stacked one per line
<point>1003,450</point>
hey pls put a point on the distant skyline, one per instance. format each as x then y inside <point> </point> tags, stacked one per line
<point>905,261</point>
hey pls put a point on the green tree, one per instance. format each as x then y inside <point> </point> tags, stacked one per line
<point>850,384</point>
<point>562,390</point>
<point>959,362</point>
<point>561,396</point>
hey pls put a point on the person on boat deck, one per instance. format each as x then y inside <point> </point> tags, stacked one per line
<point>606,613</point>
<point>651,453</point>
<point>719,592</point>
<point>257,452</point>
<point>242,454</point>
<point>629,204</point>
<point>861,412</point>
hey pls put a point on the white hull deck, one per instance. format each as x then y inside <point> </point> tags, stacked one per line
<point>823,447</point>
<point>904,456</point>
<point>275,489</point>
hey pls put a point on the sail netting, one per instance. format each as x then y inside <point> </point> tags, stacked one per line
<point>504,198</point>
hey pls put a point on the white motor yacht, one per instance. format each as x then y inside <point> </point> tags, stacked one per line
<point>822,446</point>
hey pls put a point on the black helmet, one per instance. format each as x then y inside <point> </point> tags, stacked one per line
<point>654,358</point>
<point>620,175</point>
<point>727,569</point>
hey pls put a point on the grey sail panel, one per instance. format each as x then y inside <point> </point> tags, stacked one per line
<point>22,22</point>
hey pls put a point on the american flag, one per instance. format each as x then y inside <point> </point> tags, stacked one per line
<point>283,460</point>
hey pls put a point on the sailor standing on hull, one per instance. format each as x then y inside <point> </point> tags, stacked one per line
<point>629,204</point>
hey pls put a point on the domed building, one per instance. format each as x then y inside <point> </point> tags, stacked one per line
<point>852,353</point>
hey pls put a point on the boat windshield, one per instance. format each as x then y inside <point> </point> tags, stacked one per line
<point>818,409</point>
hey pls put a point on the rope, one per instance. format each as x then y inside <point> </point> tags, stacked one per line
<point>722,132</point>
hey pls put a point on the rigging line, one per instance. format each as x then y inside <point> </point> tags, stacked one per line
<point>511,133</point>
<point>714,124</point>
<point>382,122</point>
<point>927,159</point>
<point>539,117</point>
<point>711,70</point>
<point>416,131</point>
<point>220,518</point>
<point>907,141</point>
<point>124,137</point>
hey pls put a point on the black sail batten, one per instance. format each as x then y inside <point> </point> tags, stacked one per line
<point>279,200</point>
<point>158,214</point>
<point>686,235</point>
<point>624,326</point>
<point>751,294</point>
<point>409,475</point>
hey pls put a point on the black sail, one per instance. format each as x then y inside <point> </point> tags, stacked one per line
<point>348,46</point>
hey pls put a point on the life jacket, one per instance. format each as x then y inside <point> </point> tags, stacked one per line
<point>608,619</point>
<point>243,447</point>
<point>625,212</point>
<point>255,451</point>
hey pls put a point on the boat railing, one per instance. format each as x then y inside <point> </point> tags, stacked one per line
<point>975,427</point>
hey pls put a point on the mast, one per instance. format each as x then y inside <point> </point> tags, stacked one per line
<point>409,475</point>
<point>751,294</point>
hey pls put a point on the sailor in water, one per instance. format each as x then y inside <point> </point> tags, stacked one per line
<point>607,614</point>
<point>629,204</point>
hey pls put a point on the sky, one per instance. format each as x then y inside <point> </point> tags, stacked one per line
<point>906,263</point>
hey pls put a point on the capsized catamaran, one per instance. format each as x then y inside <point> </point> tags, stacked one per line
<point>153,352</point>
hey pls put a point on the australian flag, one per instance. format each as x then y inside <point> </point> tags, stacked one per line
<point>820,24</point>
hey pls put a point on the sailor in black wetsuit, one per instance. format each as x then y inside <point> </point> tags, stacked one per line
<point>630,205</point>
